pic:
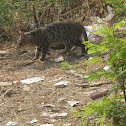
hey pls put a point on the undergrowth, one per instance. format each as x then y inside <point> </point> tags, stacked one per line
<point>111,110</point>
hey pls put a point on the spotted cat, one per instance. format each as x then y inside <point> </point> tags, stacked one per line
<point>67,33</point>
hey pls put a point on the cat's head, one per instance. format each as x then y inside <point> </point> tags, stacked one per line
<point>24,40</point>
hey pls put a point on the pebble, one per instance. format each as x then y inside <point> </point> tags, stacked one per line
<point>99,94</point>
<point>11,123</point>
<point>61,84</point>
<point>33,121</point>
<point>73,103</point>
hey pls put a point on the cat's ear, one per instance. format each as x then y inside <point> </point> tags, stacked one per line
<point>22,34</point>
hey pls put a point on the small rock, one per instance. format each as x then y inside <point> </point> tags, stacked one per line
<point>62,114</point>
<point>42,103</point>
<point>61,84</point>
<point>3,52</point>
<point>67,124</point>
<point>90,58</point>
<point>106,67</point>
<point>61,99</point>
<point>33,121</point>
<point>73,103</point>
<point>58,115</point>
<point>98,94</point>
<point>11,123</point>
<point>32,80</point>
<point>54,115</point>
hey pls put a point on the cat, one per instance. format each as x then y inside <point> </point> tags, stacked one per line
<point>68,33</point>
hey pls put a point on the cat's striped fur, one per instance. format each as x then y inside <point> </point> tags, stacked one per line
<point>69,33</point>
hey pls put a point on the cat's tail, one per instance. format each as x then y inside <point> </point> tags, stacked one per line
<point>85,34</point>
<point>85,39</point>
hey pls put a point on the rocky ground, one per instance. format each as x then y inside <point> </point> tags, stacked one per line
<point>42,102</point>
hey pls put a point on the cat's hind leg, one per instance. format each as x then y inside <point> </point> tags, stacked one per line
<point>67,48</point>
<point>44,52</point>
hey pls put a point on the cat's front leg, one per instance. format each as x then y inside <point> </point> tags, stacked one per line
<point>37,52</point>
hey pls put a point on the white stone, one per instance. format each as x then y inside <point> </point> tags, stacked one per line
<point>90,58</point>
<point>62,114</point>
<point>11,123</point>
<point>61,84</point>
<point>32,80</point>
<point>73,103</point>
<point>106,67</point>
<point>33,121</point>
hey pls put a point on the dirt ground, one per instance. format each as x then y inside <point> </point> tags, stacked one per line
<point>42,100</point>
